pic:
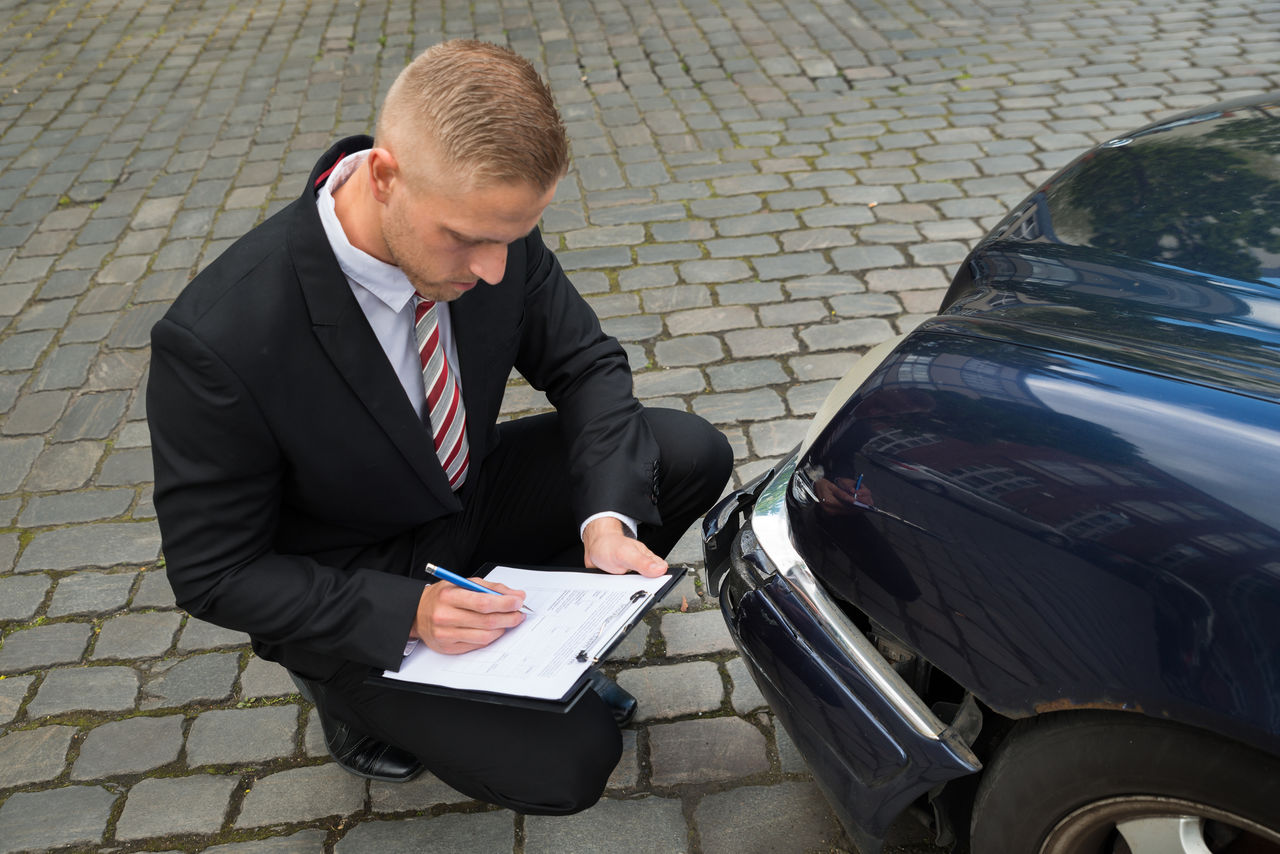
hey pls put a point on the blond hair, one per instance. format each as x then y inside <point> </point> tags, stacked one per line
<point>482,109</point>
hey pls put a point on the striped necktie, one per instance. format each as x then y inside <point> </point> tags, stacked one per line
<point>444,398</point>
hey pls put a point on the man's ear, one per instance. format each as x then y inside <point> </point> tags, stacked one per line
<point>384,172</point>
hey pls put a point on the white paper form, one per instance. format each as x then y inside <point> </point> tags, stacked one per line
<point>574,612</point>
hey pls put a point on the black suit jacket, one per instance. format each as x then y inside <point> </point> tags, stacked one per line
<point>291,469</point>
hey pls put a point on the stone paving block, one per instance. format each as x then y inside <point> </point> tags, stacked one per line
<point>159,807</point>
<point>22,596</point>
<point>82,813</point>
<point>91,593</point>
<point>866,257</point>
<point>703,751</point>
<point>847,334</point>
<point>668,381</point>
<point>14,297</point>
<point>650,276</point>
<point>136,635</point>
<point>64,466</point>
<point>688,350</point>
<point>13,690</point>
<point>675,298</point>
<point>94,689</point>
<point>66,508</point>
<point>651,825</point>
<point>750,374</point>
<point>633,645</point>
<point>117,369</point>
<point>36,412</point>
<point>8,551</point>
<point>302,794</point>
<point>201,635</point>
<point>34,755</point>
<point>200,677</point>
<point>790,761</point>
<point>904,280</point>
<point>761,342</point>
<point>134,434</point>
<point>262,678</point>
<point>130,746</point>
<point>10,384</point>
<point>132,466</point>
<point>23,349</point>
<point>632,328</point>
<point>9,512</point>
<point>313,736</point>
<point>868,305</point>
<point>482,833</point>
<point>16,458</point>
<point>42,646</point>
<point>223,736</point>
<point>91,416</point>
<point>714,272</point>
<point>791,816</point>
<point>154,591</point>
<point>673,690</point>
<point>744,695</point>
<point>795,312</point>
<point>749,292</point>
<point>700,633</point>
<point>92,545</point>
<point>734,407</point>
<point>772,438</point>
<point>806,399</point>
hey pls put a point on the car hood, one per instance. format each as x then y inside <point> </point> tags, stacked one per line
<point>1158,250</point>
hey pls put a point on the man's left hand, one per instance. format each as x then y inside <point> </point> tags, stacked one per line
<point>607,546</point>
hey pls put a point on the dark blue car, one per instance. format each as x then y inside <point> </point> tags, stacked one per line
<point>1023,574</point>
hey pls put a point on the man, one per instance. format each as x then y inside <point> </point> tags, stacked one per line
<point>323,402</point>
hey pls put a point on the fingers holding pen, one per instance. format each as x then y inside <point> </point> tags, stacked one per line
<point>453,620</point>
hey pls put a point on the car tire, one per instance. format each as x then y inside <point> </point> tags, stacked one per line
<point>1104,783</point>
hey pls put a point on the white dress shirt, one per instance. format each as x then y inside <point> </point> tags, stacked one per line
<point>384,294</point>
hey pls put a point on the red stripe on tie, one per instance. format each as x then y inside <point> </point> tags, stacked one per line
<point>324,176</point>
<point>427,328</point>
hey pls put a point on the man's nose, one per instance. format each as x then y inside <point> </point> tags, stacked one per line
<point>489,263</point>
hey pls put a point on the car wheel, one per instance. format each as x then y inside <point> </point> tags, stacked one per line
<point>1102,783</point>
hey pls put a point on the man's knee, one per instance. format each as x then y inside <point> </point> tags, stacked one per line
<point>560,780</point>
<point>690,447</point>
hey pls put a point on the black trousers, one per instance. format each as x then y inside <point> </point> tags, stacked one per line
<point>516,509</point>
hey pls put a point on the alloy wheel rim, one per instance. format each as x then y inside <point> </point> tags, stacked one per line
<point>1146,824</point>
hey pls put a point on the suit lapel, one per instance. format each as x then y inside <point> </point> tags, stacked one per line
<point>342,330</point>
<point>474,346</point>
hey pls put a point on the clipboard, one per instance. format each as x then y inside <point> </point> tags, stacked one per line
<point>585,657</point>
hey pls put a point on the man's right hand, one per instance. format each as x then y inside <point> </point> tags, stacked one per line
<point>452,620</point>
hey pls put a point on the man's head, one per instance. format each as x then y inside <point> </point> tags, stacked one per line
<point>468,150</point>
<point>482,110</point>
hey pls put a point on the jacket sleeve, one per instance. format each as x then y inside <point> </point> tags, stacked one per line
<point>218,474</point>
<point>563,352</point>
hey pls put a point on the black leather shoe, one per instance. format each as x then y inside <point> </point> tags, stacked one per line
<point>360,754</point>
<point>620,701</point>
<point>364,755</point>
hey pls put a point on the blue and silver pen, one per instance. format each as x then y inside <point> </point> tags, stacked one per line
<point>465,583</point>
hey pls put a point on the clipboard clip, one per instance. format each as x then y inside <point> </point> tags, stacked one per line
<point>582,655</point>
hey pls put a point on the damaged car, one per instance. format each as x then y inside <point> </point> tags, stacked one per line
<point>1022,576</point>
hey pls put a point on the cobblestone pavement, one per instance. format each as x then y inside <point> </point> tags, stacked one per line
<point>762,190</point>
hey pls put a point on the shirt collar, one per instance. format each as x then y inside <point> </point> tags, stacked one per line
<point>385,281</point>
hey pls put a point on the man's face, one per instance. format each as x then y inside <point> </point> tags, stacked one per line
<point>450,235</point>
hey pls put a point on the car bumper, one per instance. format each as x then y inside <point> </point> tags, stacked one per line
<point>872,744</point>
